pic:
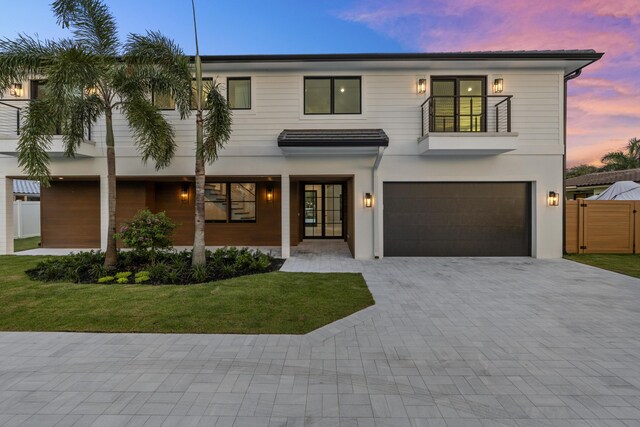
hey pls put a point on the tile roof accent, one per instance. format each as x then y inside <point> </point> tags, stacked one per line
<point>23,186</point>
<point>333,138</point>
<point>604,178</point>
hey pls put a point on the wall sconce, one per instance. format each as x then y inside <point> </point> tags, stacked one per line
<point>16,89</point>
<point>422,86</point>
<point>90,91</point>
<point>184,193</point>
<point>498,85</point>
<point>553,199</point>
<point>368,200</point>
<point>269,194</point>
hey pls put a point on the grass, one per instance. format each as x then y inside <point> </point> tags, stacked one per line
<point>26,243</point>
<point>620,263</point>
<point>271,303</point>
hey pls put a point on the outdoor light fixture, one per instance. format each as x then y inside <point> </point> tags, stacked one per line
<point>498,85</point>
<point>269,194</point>
<point>16,89</point>
<point>368,200</point>
<point>553,199</point>
<point>184,193</point>
<point>422,86</point>
<point>91,91</point>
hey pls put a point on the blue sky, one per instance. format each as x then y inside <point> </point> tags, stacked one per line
<point>603,108</point>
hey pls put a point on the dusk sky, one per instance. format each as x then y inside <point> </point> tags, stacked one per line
<point>604,104</point>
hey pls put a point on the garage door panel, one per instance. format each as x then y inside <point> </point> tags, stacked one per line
<point>457,219</point>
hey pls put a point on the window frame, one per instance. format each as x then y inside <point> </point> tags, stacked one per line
<point>456,105</point>
<point>228,219</point>
<point>332,80</point>
<point>192,99</point>
<point>153,102</point>
<point>241,78</point>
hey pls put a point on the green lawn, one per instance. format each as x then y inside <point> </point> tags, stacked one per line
<point>26,244</point>
<point>620,263</point>
<point>271,303</point>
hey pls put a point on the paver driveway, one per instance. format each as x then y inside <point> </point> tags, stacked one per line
<point>456,342</point>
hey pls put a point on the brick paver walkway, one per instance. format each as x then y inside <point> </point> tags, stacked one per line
<point>455,342</point>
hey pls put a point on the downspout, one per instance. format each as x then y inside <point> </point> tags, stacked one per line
<point>568,77</point>
<point>376,201</point>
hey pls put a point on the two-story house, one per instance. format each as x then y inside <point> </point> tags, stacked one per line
<point>426,154</point>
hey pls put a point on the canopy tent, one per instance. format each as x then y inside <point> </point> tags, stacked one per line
<point>621,190</point>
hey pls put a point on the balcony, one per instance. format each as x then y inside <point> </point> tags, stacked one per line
<point>467,125</point>
<point>11,118</point>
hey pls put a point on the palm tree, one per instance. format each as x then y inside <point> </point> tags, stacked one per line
<point>621,160</point>
<point>90,75</point>
<point>212,132</point>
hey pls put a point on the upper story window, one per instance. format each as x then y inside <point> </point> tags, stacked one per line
<point>230,202</point>
<point>207,84</point>
<point>458,104</point>
<point>332,95</point>
<point>38,89</point>
<point>239,93</point>
<point>163,101</point>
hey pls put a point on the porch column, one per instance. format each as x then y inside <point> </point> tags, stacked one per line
<point>104,211</point>
<point>6,216</point>
<point>285,189</point>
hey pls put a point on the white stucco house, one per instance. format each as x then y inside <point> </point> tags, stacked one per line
<point>425,154</point>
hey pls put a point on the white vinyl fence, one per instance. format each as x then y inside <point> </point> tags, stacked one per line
<point>26,219</point>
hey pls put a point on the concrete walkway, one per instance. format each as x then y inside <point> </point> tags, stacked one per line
<point>455,342</point>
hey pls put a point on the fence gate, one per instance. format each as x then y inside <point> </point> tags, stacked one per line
<point>603,226</point>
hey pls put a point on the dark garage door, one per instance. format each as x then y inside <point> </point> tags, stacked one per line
<point>457,219</point>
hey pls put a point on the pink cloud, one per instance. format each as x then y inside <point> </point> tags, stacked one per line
<point>603,108</point>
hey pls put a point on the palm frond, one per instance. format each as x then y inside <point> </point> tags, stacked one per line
<point>160,63</point>
<point>153,134</point>
<point>217,124</point>
<point>35,140</point>
<point>81,112</point>
<point>91,23</point>
<point>23,57</point>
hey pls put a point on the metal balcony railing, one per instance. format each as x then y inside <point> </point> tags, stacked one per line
<point>11,117</point>
<point>466,113</point>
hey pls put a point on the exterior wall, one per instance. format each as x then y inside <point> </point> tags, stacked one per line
<point>390,102</point>
<point>71,215</point>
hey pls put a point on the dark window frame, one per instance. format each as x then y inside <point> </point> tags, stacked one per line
<point>456,108</point>
<point>153,102</point>
<point>332,79</point>
<point>33,93</point>
<point>229,79</point>
<point>192,98</point>
<point>228,220</point>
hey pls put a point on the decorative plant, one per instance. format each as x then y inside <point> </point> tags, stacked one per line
<point>147,231</point>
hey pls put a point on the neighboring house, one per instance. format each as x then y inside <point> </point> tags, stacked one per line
<point>581,187</point>
<point>26,190</point>
<point>425,154</point>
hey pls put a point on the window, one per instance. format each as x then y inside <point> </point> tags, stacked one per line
<point>458,104</point>
<point>332,95</point>
<point>230,202</point>
<point>163,101</point>
<point>207,83</point>
<point>239,93</point>
<point>38,89</point>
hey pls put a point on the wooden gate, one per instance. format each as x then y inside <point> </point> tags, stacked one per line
<point>603,226</point>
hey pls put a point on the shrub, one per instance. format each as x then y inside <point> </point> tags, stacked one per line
<point>157,268</point>
<point>147,231</point>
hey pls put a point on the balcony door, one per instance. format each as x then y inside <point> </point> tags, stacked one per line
<point>458,104</point>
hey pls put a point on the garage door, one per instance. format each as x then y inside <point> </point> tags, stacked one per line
<point>457,219</point>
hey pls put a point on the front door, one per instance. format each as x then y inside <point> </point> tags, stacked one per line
<point>323,207</point>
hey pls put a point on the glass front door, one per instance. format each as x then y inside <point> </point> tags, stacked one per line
<point>323,211</point>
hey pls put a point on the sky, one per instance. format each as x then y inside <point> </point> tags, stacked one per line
<point>604,103</point>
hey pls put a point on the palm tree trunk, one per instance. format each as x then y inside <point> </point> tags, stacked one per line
<point>198,257</point>
<point>111,256</point>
